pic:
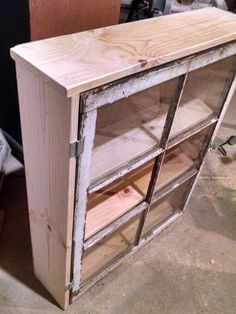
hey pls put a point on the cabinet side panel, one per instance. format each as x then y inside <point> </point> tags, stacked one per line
<point>48,125</point>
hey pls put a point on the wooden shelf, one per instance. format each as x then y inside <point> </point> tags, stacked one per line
<point>108,204</point>
<point>114,200</point>
<point>111,247</point>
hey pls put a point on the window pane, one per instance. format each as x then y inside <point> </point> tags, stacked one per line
<point>163,209</point>
<point>202,94</point>
<point>110,248</point>
<point>129,128</point>
<point>182,157</point>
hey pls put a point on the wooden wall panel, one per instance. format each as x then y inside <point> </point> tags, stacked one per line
<point>54,18</point>
<point>49,123</point>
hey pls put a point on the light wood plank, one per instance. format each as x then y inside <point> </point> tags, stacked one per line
<point>109,204</point>
<point>49,122</point>
<point>83,61</point>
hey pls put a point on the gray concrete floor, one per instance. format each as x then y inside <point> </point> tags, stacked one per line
<point>188,268</point>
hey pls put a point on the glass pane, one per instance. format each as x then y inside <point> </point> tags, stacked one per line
<point>129,128</point>
<point>163,209</point>
<point>182,157</point>
<point>114,200</point>
<point>101,254</point>
<point>202,94</point>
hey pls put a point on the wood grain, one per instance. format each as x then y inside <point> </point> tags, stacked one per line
<point>49,122</point>
<point>109,203</point>
<point>82,61</point>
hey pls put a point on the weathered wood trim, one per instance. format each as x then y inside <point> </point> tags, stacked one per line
<point>119,89</point>
<point>86,133</point>
<point>115,225</point>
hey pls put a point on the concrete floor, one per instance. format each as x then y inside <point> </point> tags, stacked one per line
<point>189,268</point>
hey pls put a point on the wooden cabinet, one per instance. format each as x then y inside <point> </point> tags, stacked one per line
<point>116,124</point>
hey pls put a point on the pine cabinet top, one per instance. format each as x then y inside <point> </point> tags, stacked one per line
<point>85,60</point>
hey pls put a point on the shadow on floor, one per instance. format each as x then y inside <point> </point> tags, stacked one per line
<point>213,208</point>
<point>15,245</point>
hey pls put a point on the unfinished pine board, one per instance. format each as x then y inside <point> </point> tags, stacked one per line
<point>175,163</point>
<point>109,248</point>
<point>49,123</point>
<point>108,204</point>
<point>82,61</point>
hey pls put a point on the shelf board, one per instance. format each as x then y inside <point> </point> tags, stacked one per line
<point>106,205</point>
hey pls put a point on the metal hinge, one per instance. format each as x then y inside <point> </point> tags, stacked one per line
<point>76,148</point>
<point>69,286</point>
